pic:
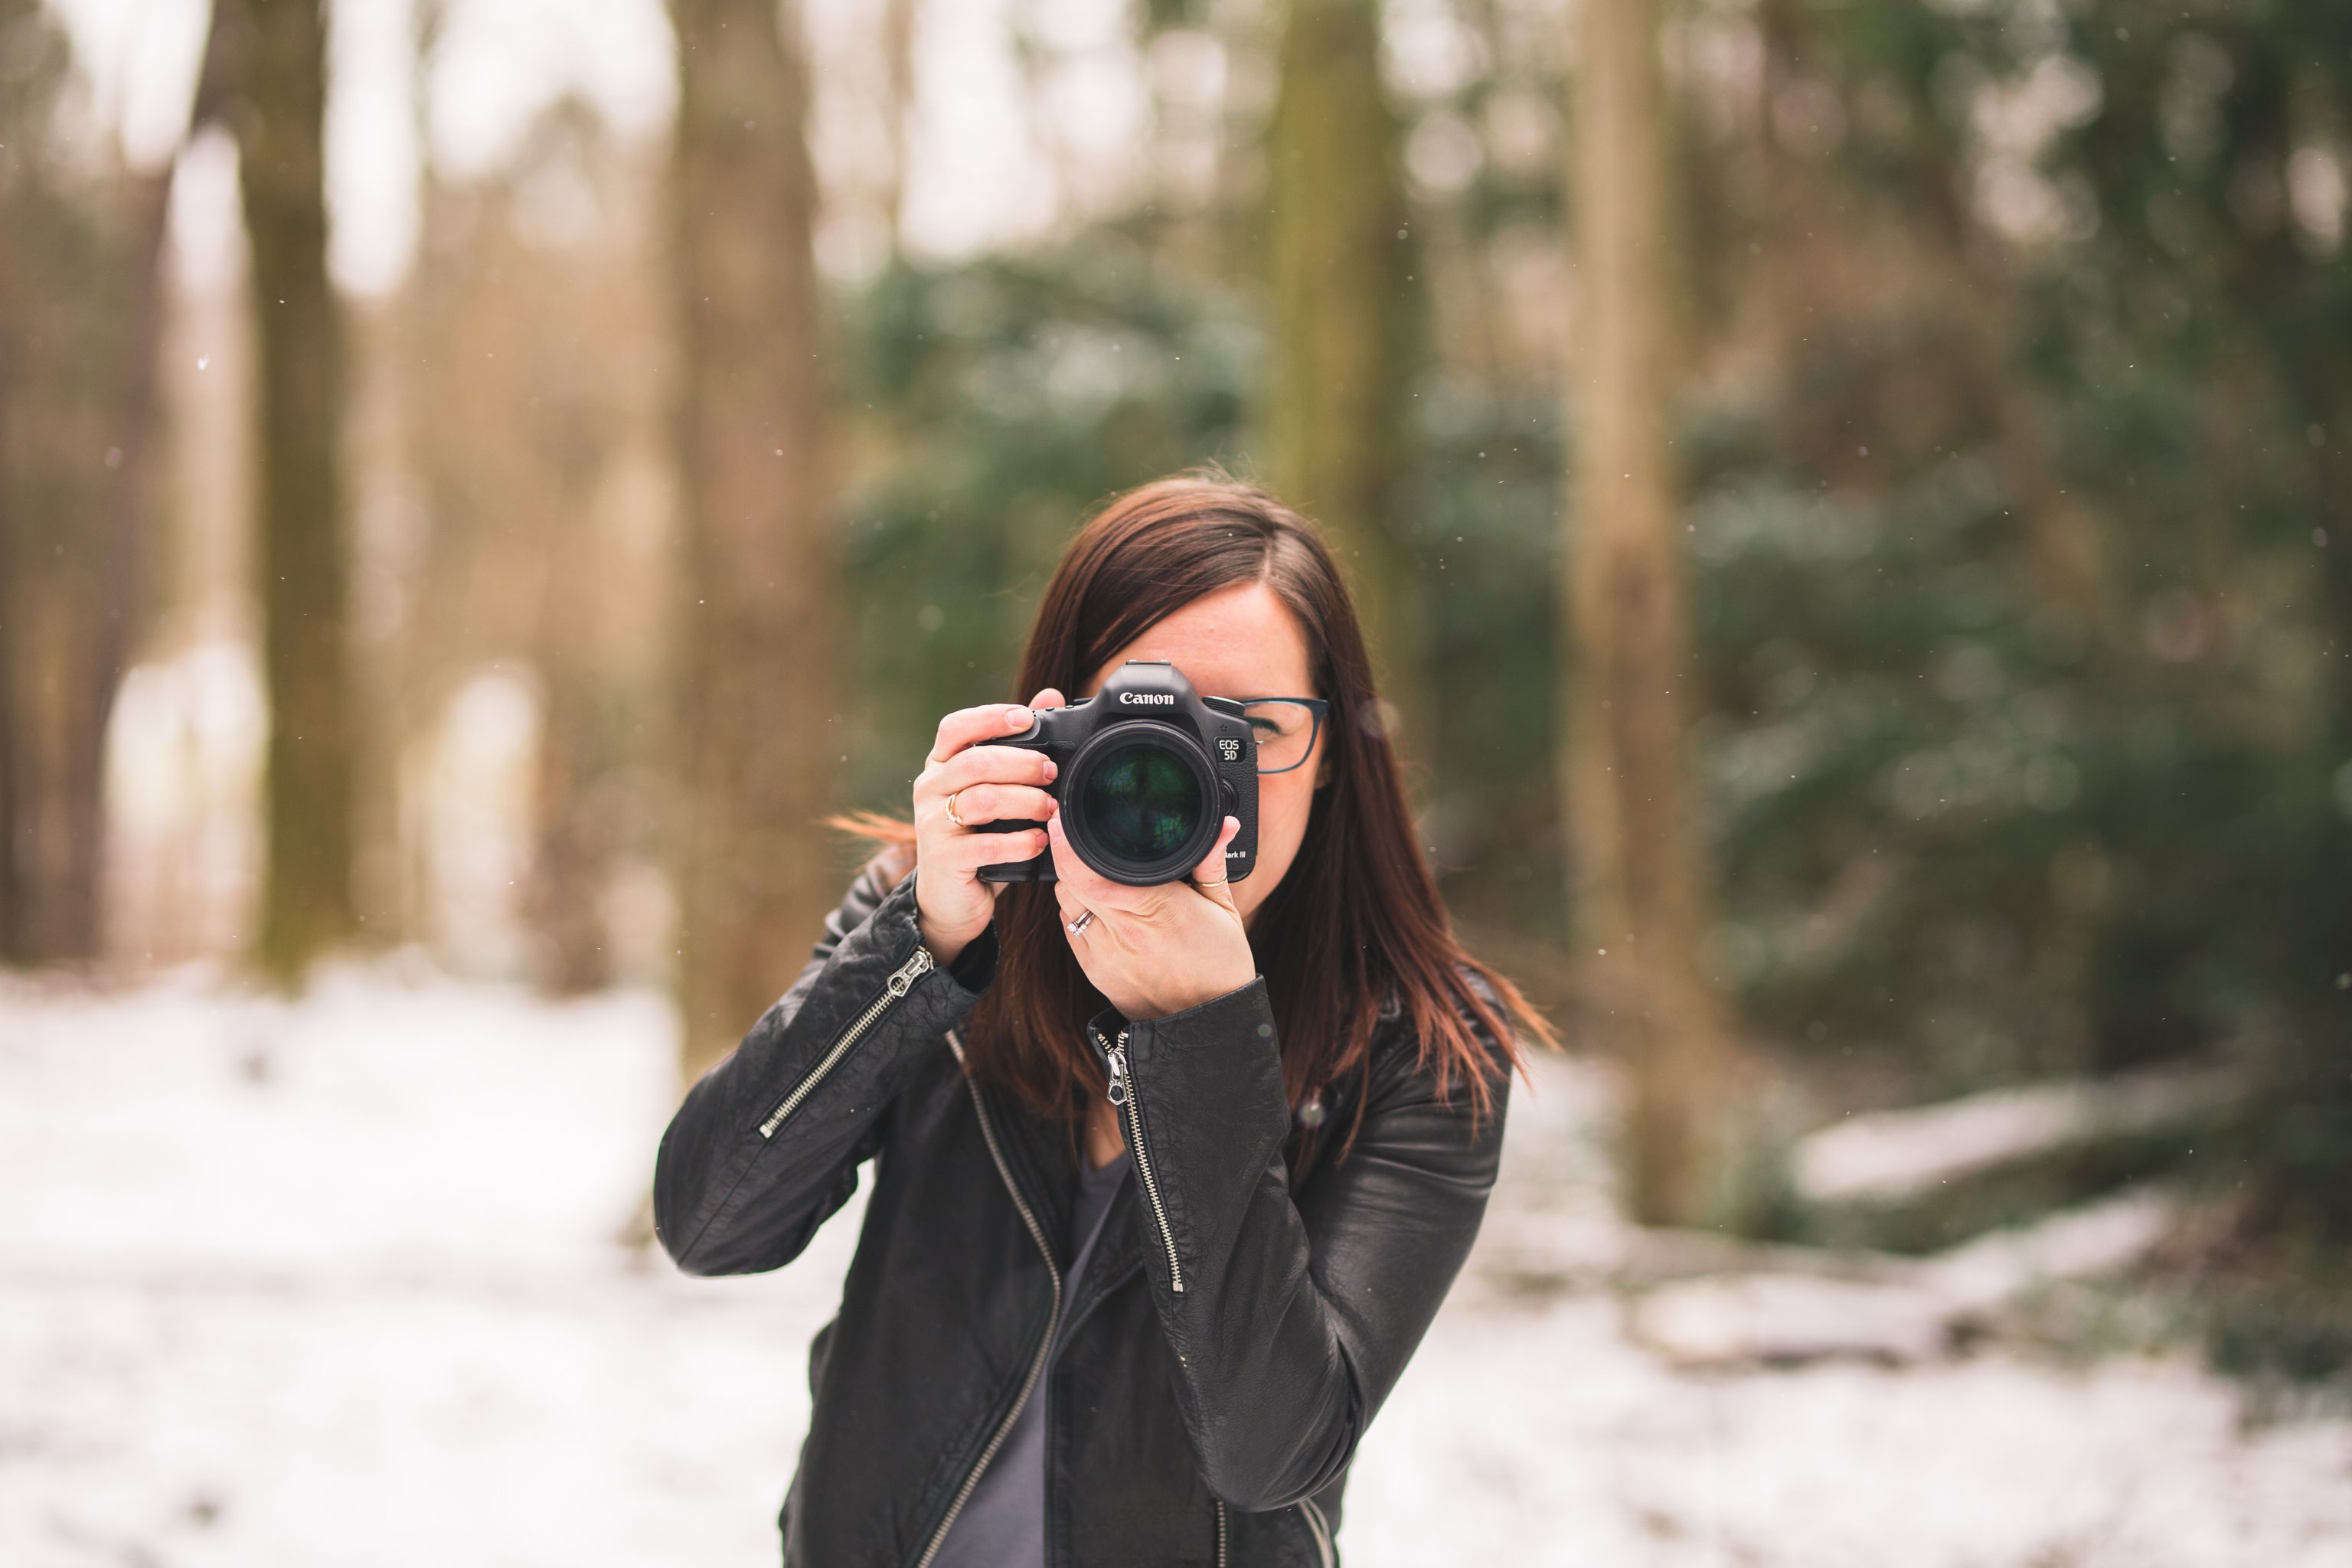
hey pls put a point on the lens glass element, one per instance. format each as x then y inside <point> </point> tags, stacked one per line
<point>1141,802</point>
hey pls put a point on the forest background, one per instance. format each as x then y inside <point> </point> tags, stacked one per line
<point>483,480</point>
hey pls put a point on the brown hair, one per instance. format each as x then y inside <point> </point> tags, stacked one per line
<point>1356,925</point>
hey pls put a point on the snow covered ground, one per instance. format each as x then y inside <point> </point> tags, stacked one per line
<point>336,1283</point>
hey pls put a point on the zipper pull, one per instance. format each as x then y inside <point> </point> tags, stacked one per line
<point>903,980</point>
<point>1117,1056</point>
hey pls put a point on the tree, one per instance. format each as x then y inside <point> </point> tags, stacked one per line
<point>301,577</point>
<point>79,315</point>
<point>534,404</point>
<point>760,631</point>
<point>1637,881</point>
<point>1344,312</point>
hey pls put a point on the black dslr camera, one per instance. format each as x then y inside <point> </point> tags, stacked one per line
<point>1148,771</point>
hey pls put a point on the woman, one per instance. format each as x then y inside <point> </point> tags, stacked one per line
<point>1113,1303</point>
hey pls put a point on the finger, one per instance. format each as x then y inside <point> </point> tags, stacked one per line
<point>976,803</point>
<point>969,852</point>
<point>1049,696</point>
<point>1210,876</point>
<point>1074,878</point>
<point>970,726</point>
<point>989,764</point>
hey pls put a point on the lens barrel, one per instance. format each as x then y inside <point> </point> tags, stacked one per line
<point>1141,803</point>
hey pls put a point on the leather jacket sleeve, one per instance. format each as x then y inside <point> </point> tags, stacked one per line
<point>1294,1318</point>
<point>766,1146</point>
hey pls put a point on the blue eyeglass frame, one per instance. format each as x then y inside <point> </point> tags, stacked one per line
<point>1317,706</point>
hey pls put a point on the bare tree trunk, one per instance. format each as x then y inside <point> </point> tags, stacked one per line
<point>1638,886</point>
<point>21,113</point>
<point>13,891</point>
<point>572,866</point>
<point>898,25</point>
<point>1802,274</point>
<point>305,898</point>
<point>122,540</point>
<point>759,646</point>
<point>16,555</point>
<point>1345,317</point>
<point>80,312</point>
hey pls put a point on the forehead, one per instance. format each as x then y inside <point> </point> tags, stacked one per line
<point>1240,641</point>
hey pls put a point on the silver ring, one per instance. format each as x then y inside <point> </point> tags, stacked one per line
<point>1081,923</point>
<point>958,821</point>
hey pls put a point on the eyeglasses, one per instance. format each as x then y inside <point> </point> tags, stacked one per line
<point>1285,728</point>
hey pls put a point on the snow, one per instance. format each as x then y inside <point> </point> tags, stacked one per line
<point>1892,1157</point>
<point>1791,1305</point>
<point>339,1281</point>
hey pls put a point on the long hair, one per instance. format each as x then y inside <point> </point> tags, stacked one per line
<point>1356,927</point>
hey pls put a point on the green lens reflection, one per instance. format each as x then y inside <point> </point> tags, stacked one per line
<point>1141,803</point>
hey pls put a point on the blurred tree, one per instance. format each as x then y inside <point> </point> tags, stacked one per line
<point>2016,515</point>
<point>758,644</point>
<point>997,400</point>
<point>538,446</point>
<point>899,19</point>
<point>1637,864</point>
<point>1345,318</point>
<point>2201,351</point>
<point>300,563</point>
<point>2009,438</point>
<point>80,315</point>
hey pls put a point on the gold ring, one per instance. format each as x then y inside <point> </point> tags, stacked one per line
<point>958,821</point>
<point>1218,883</point>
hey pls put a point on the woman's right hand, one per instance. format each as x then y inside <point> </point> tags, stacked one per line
<point>990,784</point>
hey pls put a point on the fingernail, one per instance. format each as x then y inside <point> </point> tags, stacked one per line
<point>1053,769</point>
<point>1020,717</point>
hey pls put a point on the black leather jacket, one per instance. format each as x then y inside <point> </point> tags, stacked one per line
<point>1233,1339</point>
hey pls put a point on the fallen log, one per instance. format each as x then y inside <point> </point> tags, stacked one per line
<point>1888,1309</point>
<point>1887,1158</point>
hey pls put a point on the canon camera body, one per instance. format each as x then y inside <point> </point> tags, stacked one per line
<point>1148,770</point>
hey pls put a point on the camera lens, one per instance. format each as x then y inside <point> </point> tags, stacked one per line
<point>1141,802</point>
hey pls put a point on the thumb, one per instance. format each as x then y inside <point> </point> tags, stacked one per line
<point>1208,877</point>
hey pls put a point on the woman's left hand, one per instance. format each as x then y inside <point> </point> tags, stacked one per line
<point>1154,950</point>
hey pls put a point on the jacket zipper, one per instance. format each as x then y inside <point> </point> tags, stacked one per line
<point>1325,1553</point>
<point>901,981</point>
<point>1044,1348</point>
<point>1122,1093</point>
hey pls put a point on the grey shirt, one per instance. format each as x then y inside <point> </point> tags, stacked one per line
<point>1003,1524</point>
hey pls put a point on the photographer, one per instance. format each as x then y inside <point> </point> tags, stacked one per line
<point>1174,1165</point>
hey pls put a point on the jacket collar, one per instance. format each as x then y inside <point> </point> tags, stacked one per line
<point>1036,1163</point>
<point>1037,1156</point>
